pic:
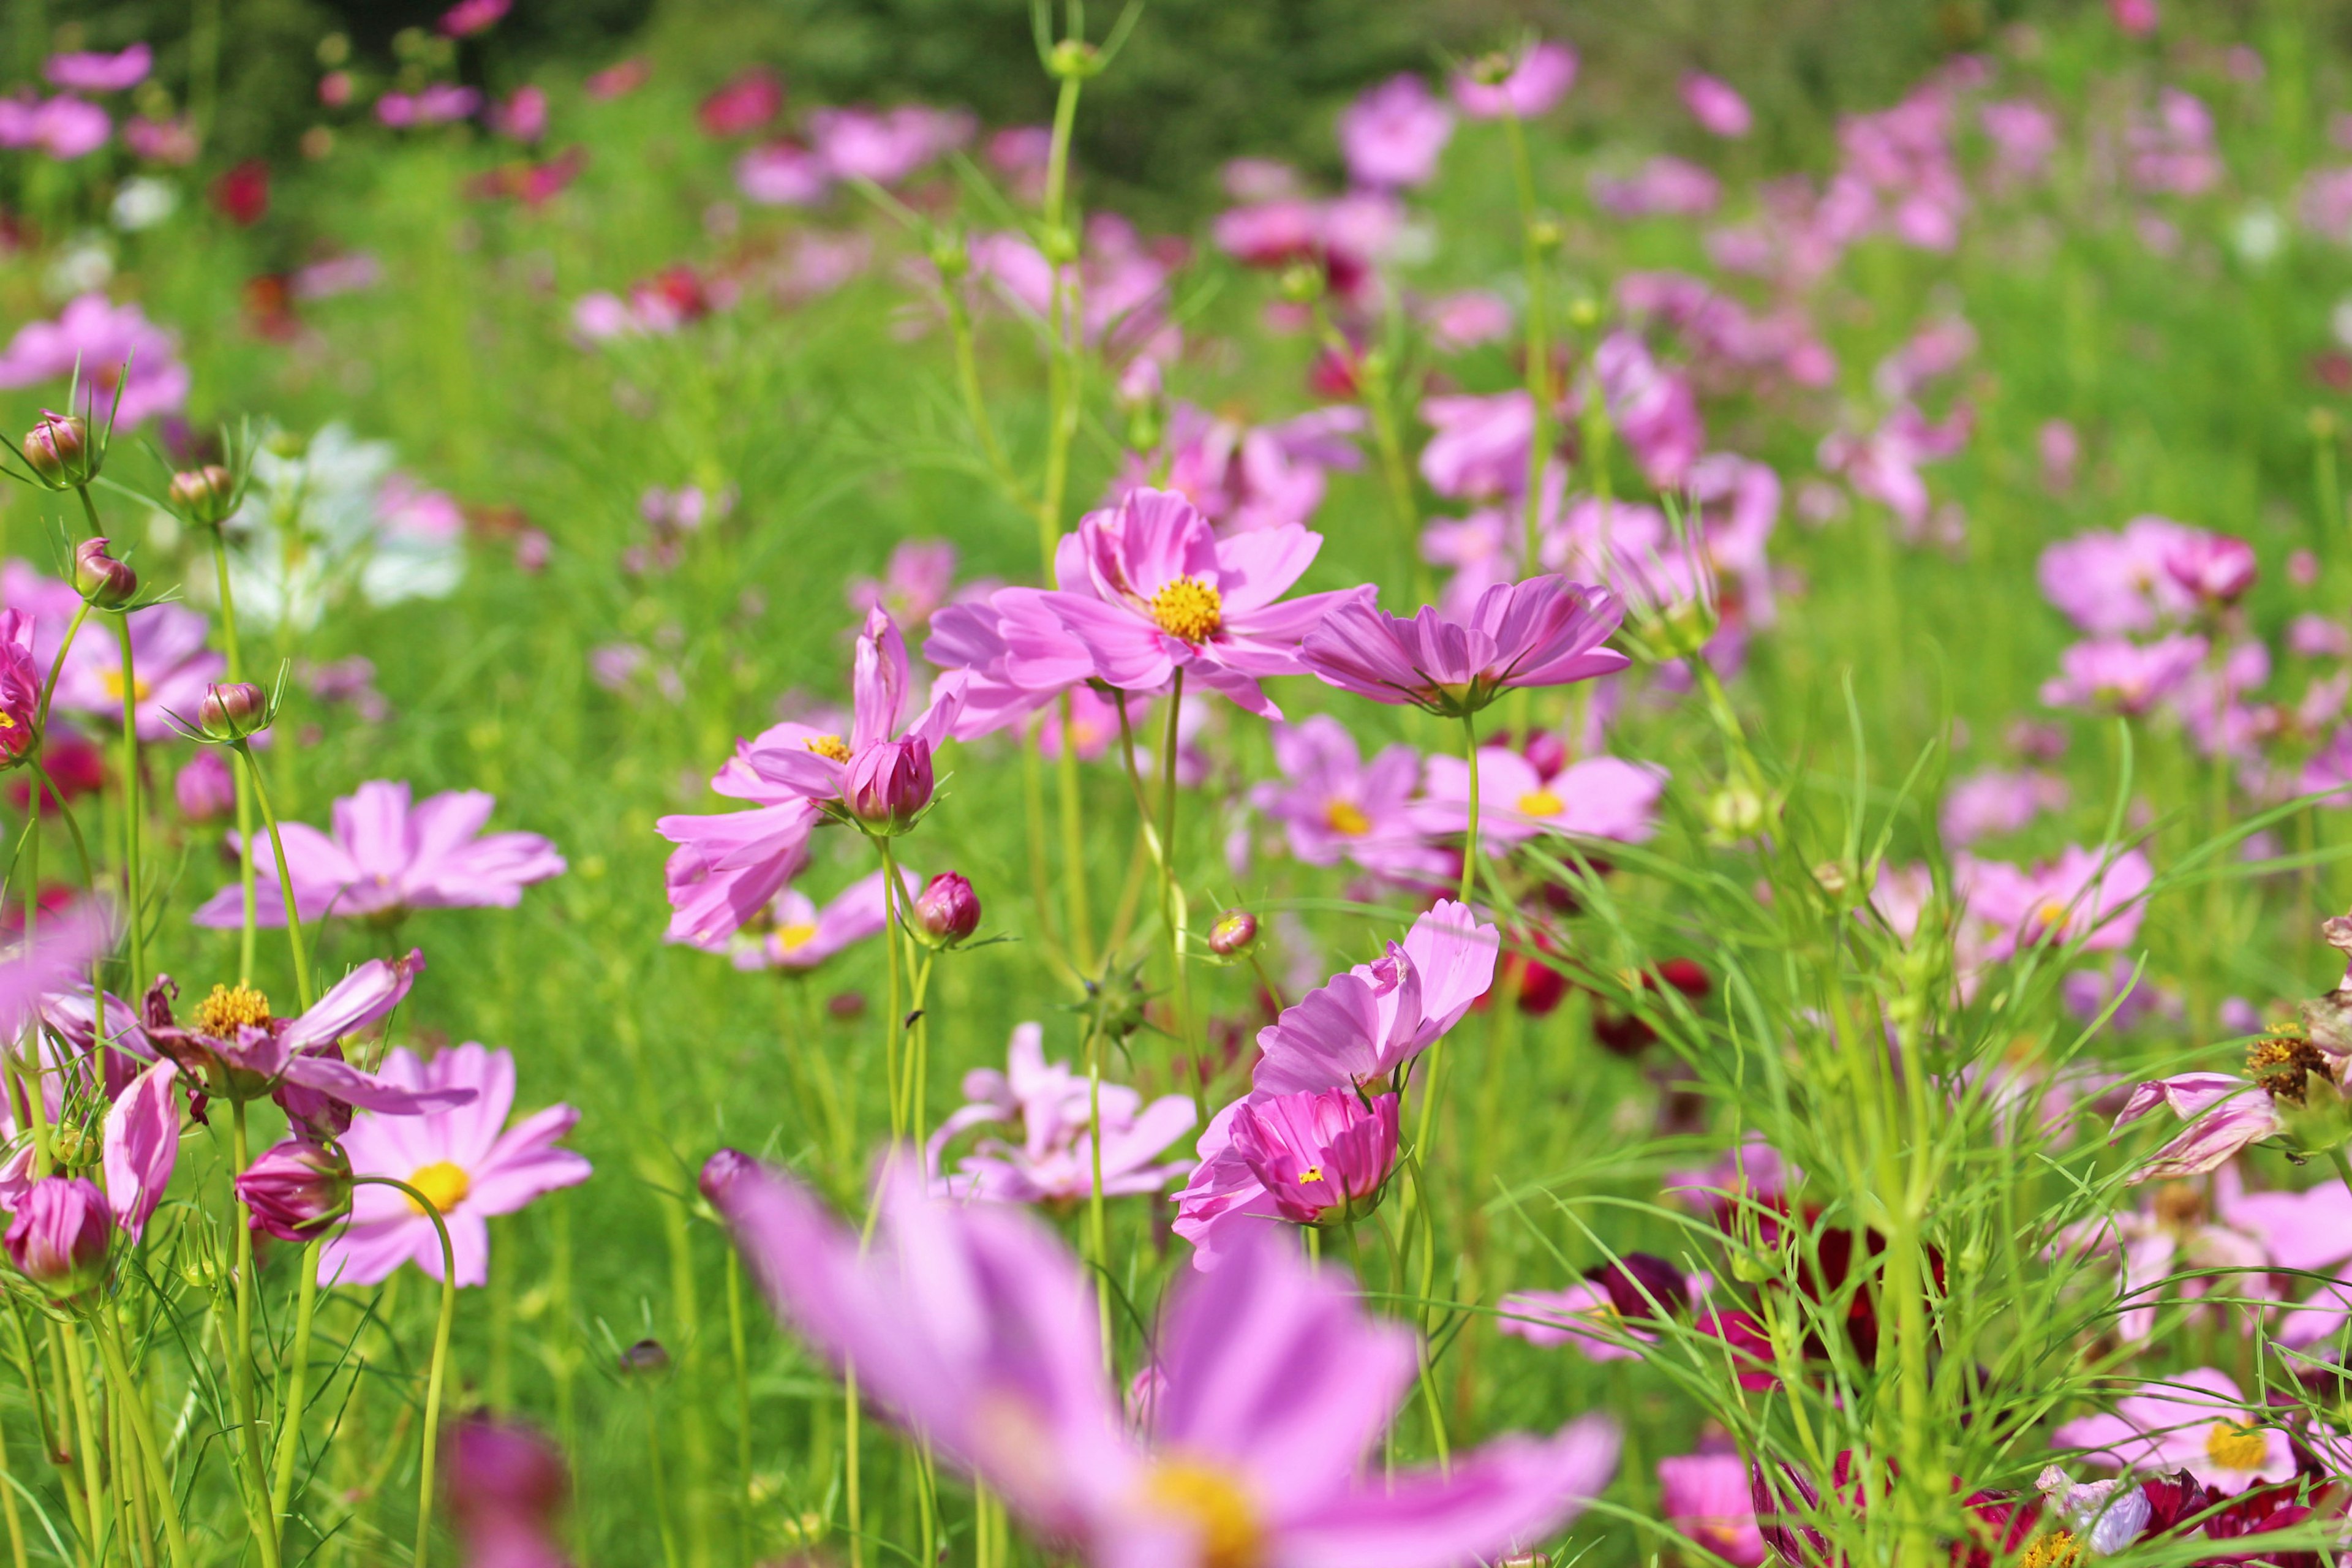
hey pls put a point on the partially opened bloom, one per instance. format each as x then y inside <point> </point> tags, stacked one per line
<point>973,1325</point>
<point>1545,631</point>
<point>60,1234</point>
<point>385,857</point>
<point>1332,804</point>
<point>2196,1421</point>
<point>1596,797</point>
<point>1529,83</point>
<point>1366,1023</point>
<point>798,935</point>
<point>1040,1148</point>
<point>1308,1159</point>
<point>465,1160</point>
<point>20,687</point>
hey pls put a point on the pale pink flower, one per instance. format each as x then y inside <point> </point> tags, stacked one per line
<point>2111,583</point>
<point>2116,675</point>
<point>1707,1496</point>
<point>1544,631</point>
<point>1332,804</point>
<point>1393,132</point>
<point>171,667</point>
<point>886,145</point>
<point>1466,320</point>
<point>1998,800</point>
<point>115,346</point>
<point>99,73</point>
<point>1370,1022</point>
<point>1247,477</point>
<point>2196,1421</point>
<point>1663,186</point>
<point>1717,105</point>
<point>1479,448</point>
<point>1048,1113</point>
<point>796,936</point>
<point>2085,899</point>
<point>1531,83</point>
<point>1597,797</point>
<point>1653,408</point>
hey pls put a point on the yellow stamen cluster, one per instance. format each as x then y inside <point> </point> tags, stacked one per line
<point>2236,1447</point>
<point>792,938</point>
<point>2058,1550</point>
<point>2178,1205</point>
<point>1312,1173</point>
<point>1540,803</point>
<point>445,1185</point>
<point>1346,816</point>
<point>113,681</point>
<point>2281,1062</point>
<point>832,746</point>
<point>1230,1536</point>
<point>1188,608</point>
<point>230,1008</point>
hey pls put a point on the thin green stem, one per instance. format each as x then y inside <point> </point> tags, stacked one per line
<point>248,934</point>
<point>738,1344</point>
<point>1097,1226</point>
<point>240,1360</point>
<point>133,893</point>
<point>132,1399</point>
<point>1171,894</point>
<point>93,1470</point>
<point>439,1374</point>
<point>1470,840</point>
<point>297,1378</point>
<point>895,1026</point>
<point>285,878</point>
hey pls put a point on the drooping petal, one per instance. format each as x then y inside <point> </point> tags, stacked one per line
<point>141,1145</point>
<point>362,997</point>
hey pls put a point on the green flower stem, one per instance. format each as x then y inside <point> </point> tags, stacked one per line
<point>285,878</point>
<point>1074,849</point>
<point>93,1471</point>
<point>133,1400</point>
<point>849,1437</point>
<point>248,934</point>
<point>736,1344</point>
<point>1171,895</point>
<point>1097,1226</point>
<point>132,889</point>
<point>8,1508</point>
<point>49,684</point>
<point>440,1369</point>
<point>1539,332</point>
<point>240,1362</point>
<point>918,1057</point>
<point>297,1378</point>
<point>1470,842</point>
<point>895,1026</point>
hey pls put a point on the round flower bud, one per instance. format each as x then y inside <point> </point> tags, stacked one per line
<point>204,496</point>
<point>947,911</point>
<point>296,1189</point>
<point>106,583</point>
<point>233,710</point>
<point>887,787</point>
<point>1234,934</point>
<point>57,449</point>
<point>646,1358</point>
<point>59,1237</point>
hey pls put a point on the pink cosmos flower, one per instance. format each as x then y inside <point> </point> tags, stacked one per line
<point>170,665</point>
<point>729,866</point>
<point>886,145</point>
<point>386,857</point>
<point>1392,134</point>
<point>1531,84</point>
<point>114,345</point>
<point>1599,1313</point>
<point>799,936</point>
<point>140,1144</point>
<point>162,141</point>
<point>1332,805</point>
<point>2172,153</point>
<point>2086,897</point>
<point>1928,356</point>
<point>2108,583</point>
<point>1598,797</point>
<point>1242,477</point>
<point>749,100</point>
<point>919,579</point>
<point>1466,320</point>
<point>2173,1224</point>
<point>1093,727</point>
<point>21,679</point>
<point>1706,1496</point>
<point>467,1161</point>
<point>1663,186</point>
<point>2196,1421</point>
<point>1125,283</point>
<point>1998,800</point>
<point>523,115</point>
<point>1655,409</point>
<point>468,17</point>
<point>1883,464</point>
<point>1479,450</point>
<point>2215,568</point>
<point>2226,1114</point>
<point>2024,135</point>
<point>782,175</point>
<point>973,1325</point>
<point>64,127</point>
<point>1050,1111</point>
<point>1717,105</point>
<point>97,72</point>
<point>1544,631</point>
<point>2308,1231</point>
<point>1148,590</point>
<point>2116,675</point>
<point>1366,1023</point>
<point>1346,235</point>
<point>1306,1159</point>
<point>507,1487</point>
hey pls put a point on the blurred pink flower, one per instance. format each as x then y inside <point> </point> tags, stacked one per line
<point>1600,1312</point>
<point>523,115</point>
<point>386,857</point>
<point>1393,132</point>
<point>171,667</point>
<point>619,81</point>
<point>64,127</point>
<point>1997,800</point>
<point>1479,448</point>
<point>1544,631</point>
<point>2110,583</point>
<point>1932,352</point>
<point>1664,186</point>
<point>115,345</point>
<point>95,72</point>
<point>1883,465</point>
<point>795,935</point>
<point>782,174</point>
<point>1051,1111</point>
<point>1716,104</point>
<point>2116,675</point>
<point>507,1487</point>
<point>973,1325</point>
<point>439,103</point>
<point>468,17</point>
<point>1531,83</point>
<point>2137,17</point>
<point>161,140</point>
<point>2084,899</point>
<point>1598,797</point>
<point>886,145</point>
<point>1707,1496</point>
<point>468,1164</point>
<point>1465,320</point>
<point>1332,804</point>
<point>2024,135</point>
<point>2197,1421</point>
<point>1243,478</point>
<point>203,787</point>
<point>2173,153</point>
<point>1653,408</point>
<point>750,99</point>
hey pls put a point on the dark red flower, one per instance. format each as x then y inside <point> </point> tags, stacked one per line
<point>1625,1033</point>
<point>751,99</point>
<point>241,194</point>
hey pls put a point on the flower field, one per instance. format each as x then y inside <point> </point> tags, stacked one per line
<point>1584,823</point>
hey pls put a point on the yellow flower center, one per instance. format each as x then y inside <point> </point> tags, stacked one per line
<point>2058,1550</point>
<point>112,680</point>
<point>1312,1173</point>
<point>1208,1500</point>
<point>1346,816</point>
<point>832,746</point>
<point>445,1185</point>
<point>230,1008</point>
<point>2051,912</point>
<point>2236,1447</point>
<point>1188,608</point>
<point>6,723</point>
<point>792,938</point>
<point>1540,803</point>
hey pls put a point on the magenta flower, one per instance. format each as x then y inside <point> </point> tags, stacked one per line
<point>1392,134</point>
<point>2086,897</point>
<point>1148,590</point>
<point>1367,1022</point>
<point>799,936</point>
<point>386,857</point>
<point>1545,631</point>
<point>170,664</point>
<point>60,1234</point>
<point>1601,1314</point>
<point>973,1325</point>
<point>2109,584</point>
<point>465,1160</point>
<point>1883,464</point>
<point>2116,675</point>
<point>886,145</point>
<point>2215,568</point>
<point>1479,450</point>
<point>140,1144</point>
<point>1706,1496</point>
<point>1307,1159</point>
<point>21,676</point>
<point>1046,1112</point>
<point>1243,478</point>
<point>1997,801</point>
<point>1599,797</point>
<point>1332,805</point>
<point>2196,1421</point>
<point>1717,105</point>
<point>99,73</point>
<point>507,1488</point>
<point>1466,320</point>
<point>1530,84</point>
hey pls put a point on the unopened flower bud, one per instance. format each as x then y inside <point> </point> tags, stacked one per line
<point>59,1237</point>
<point>1832,879</point>
<point>1583,310</point>
<point>204,496</point>
<point>1234,934</point>
<point>1073,58</point>
<point>106,583</point>
<point>887,786</point>
<point>231,710</point>
<point>296,1189</point>
<point>947,911</point>
<point>1735,812</point>
<point>57,449</point>
<point>646,1358</point>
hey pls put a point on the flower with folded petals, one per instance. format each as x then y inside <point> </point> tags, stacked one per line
<point>1602,1311</point>
<point>59,1237</point>
<point>1332,804</point>
<point>1392,134</point>
<point>973,1324</point>
<point>1598,797</point>
<point>234,1049</point>
<point>1148,591</point>
<point>2108,583</point>
<point>1528,83</point>
<point>2197,1421</point>
<point>2225,1113</point>
<point>1706,1496</point>
<point>20,687</point>
<point>465,1162</point>
<point>140,1144</point>
<point>2217,568</point>
<point>385,857</point>
<point>296,1189</point>
<point>1043,1152</point>
<point>1717,105</point>
<point>1479,448</point>
<point>796,936</point>
<point>2116,675</point>
<point>1544,631</point>
<point>1366,1023</point>
<point>1308,1159</point>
